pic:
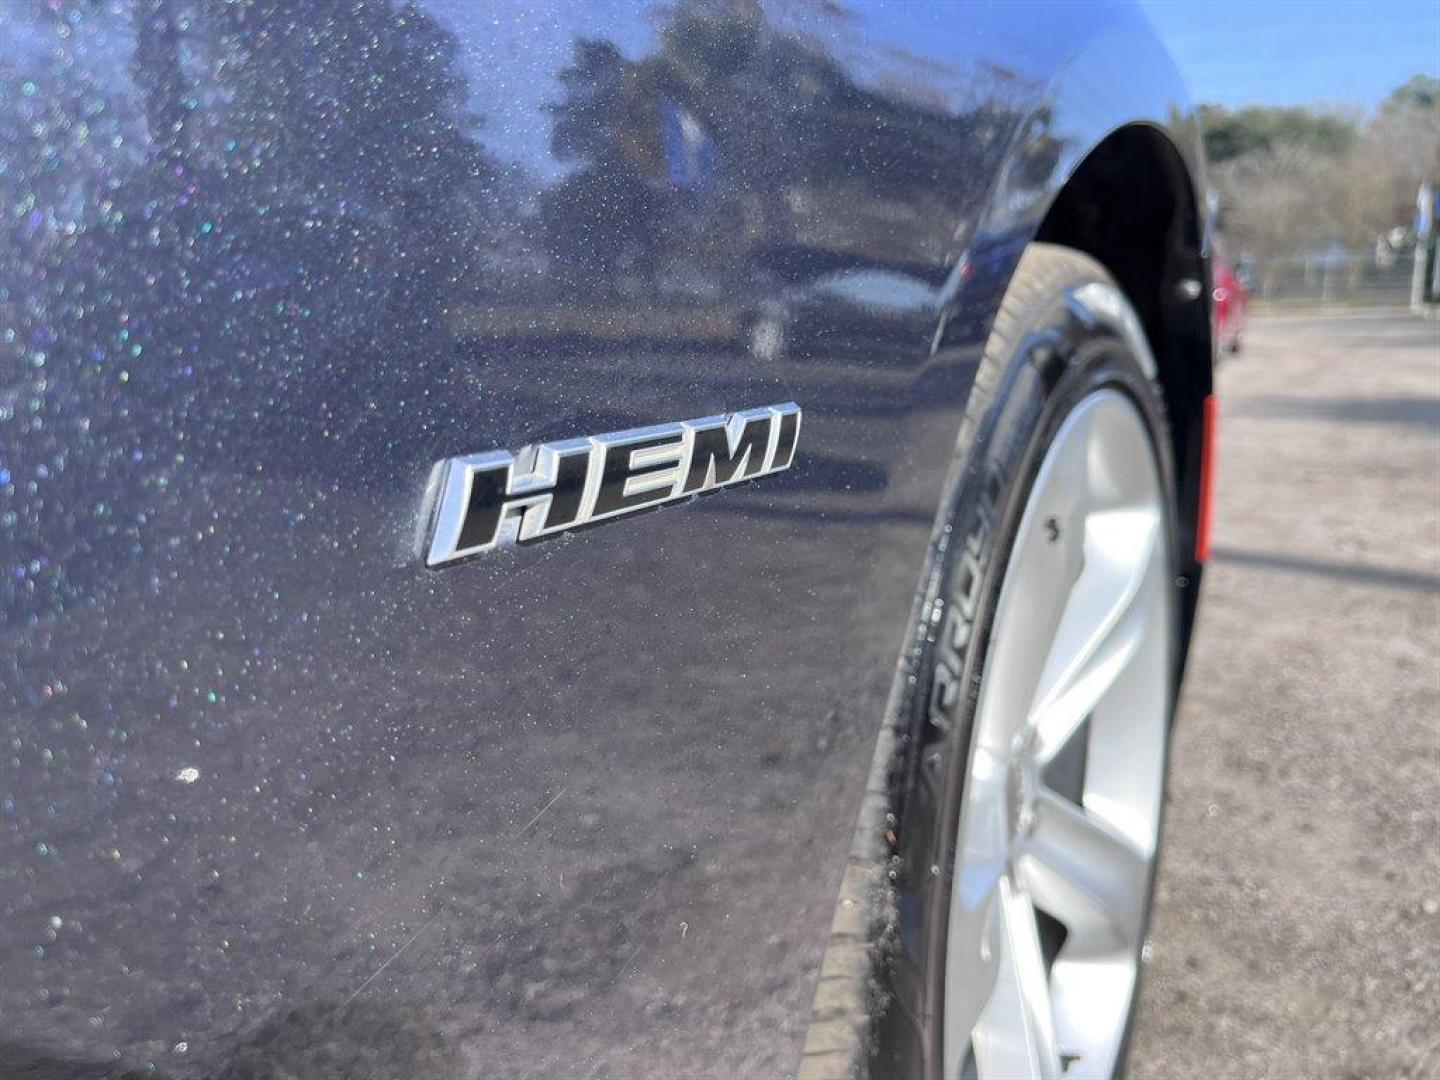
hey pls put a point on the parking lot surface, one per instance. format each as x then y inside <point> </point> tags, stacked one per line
<point>1297,926</point>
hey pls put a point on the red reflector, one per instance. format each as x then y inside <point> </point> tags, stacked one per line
<point>1208,434</point>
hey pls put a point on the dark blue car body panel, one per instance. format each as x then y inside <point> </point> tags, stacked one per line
<point>274,796</point>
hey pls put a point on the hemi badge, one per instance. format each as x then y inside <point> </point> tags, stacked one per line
<point>499,499</point>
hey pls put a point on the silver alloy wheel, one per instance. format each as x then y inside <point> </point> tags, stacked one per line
<point>1061,804</point>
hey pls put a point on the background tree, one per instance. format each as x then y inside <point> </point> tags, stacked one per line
<point>1256,128</point>
<point>1300,180</point>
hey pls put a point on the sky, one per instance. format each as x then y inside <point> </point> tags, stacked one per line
<point>1286,52</point>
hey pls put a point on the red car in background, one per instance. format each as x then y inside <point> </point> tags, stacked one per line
<point>1232,301</point>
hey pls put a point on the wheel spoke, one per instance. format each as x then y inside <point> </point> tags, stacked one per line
<point>971,947</point>
<point>1101,627</point>
<point>1087,875</point>
<point>1041,575</point>
<point>1015,1036</point>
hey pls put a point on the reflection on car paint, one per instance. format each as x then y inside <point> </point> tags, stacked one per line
<point>276,798</point>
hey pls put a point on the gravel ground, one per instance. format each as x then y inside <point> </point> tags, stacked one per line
<point>1297,927</point>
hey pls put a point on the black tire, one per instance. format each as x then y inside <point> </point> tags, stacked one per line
<point>1046,354</point>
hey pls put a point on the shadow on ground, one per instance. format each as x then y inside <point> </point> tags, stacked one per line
<point>358,1041</point>
<point>1383,576</point>
<point>1414,411</point>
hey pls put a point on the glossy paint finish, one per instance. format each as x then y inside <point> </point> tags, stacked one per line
<point>273,794</point>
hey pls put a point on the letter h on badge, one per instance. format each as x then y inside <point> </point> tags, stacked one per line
<point>497,499</point>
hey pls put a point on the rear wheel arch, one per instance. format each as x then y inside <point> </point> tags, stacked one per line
<point>1132,205</point>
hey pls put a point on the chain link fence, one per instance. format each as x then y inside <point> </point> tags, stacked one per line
<point>1330,278</point>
